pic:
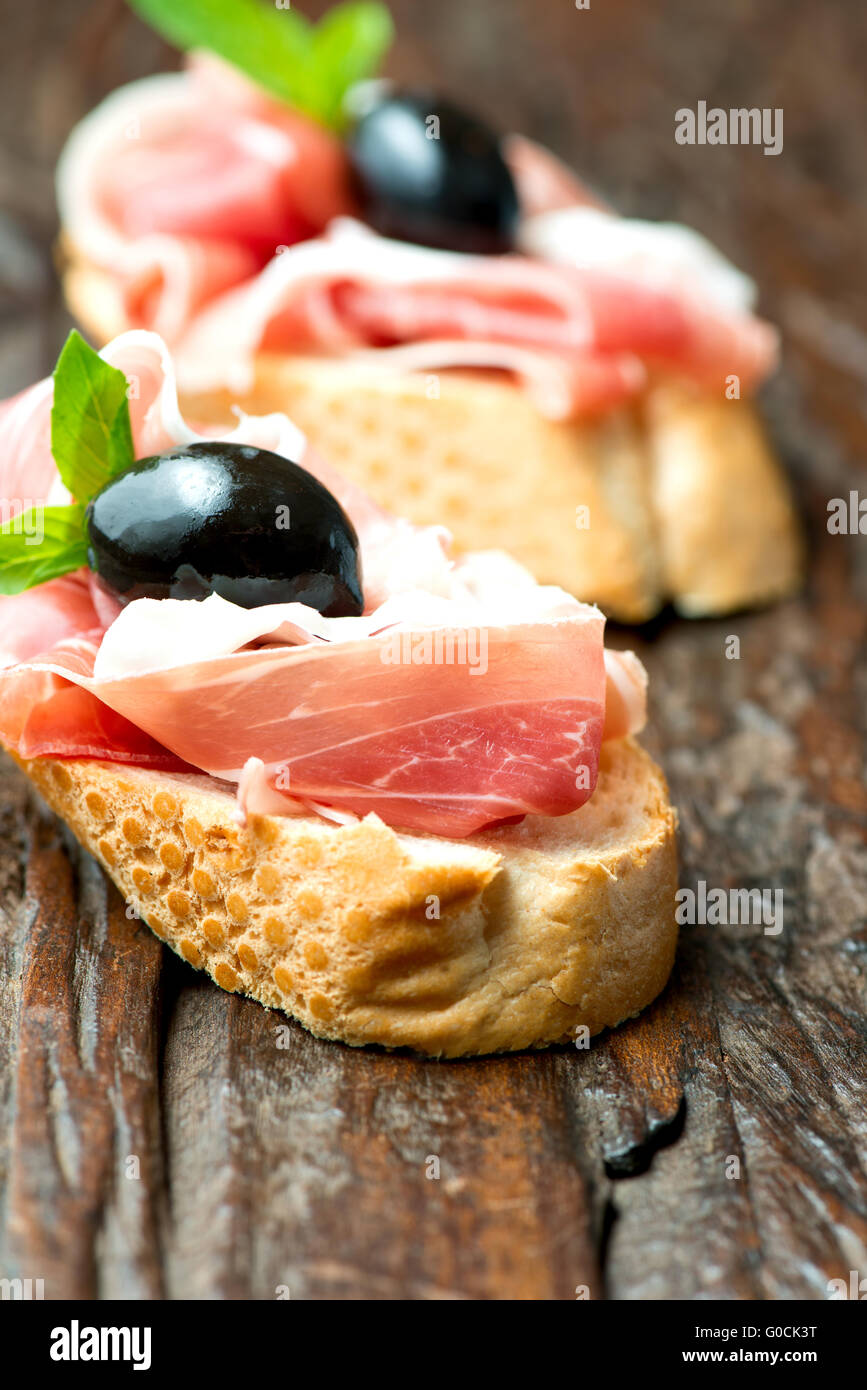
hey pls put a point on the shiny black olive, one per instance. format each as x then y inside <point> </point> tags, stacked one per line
<point>226,519</point>
<point>426,171</point>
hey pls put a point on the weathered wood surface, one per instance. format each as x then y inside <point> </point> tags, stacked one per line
<point>305,1167</point>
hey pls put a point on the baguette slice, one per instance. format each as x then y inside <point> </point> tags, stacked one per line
<point>727,532</point>
<point>684,498</point>
<point>515,938</point>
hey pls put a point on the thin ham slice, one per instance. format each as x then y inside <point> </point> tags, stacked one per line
<point>38,619</point>
<point>27,468</point>
<point>355,715</point>
<point>561,387</point>
<point>223,216</point>
<point>312,161</point>
<point>584,333</point>
<point>543,182</point>
<point>428,748</point>
<point>186,184</point>
<point>167,280</point>
<point>68,721</point>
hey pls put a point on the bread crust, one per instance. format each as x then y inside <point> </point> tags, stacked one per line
<point>515,938</point>
<point>680,499</point>
<point>727,533</point>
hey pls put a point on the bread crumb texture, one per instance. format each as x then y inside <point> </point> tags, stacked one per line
<point>515,938</point>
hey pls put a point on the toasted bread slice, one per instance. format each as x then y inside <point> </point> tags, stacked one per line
<point>681,499</point>
<point>518,937</point>
<point>727,533</point>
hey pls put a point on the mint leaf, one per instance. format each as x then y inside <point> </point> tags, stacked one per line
<point>41,544</point>
<point>91,436</point>
<point>349,45</point>
<point>308,67</point>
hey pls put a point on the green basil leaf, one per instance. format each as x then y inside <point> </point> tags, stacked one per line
<point>91,436</point>
<point>120,448</point>
<point>349,45</point>
<point>41,544</point>
<point>279,49</point>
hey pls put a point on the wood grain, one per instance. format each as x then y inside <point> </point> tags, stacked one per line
<point>715,1147</point>
<point>83,1167</point>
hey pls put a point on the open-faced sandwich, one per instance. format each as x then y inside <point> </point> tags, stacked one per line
<point>392,792</point>
<point>450,316</point>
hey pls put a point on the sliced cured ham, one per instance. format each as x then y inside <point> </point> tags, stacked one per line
<point>167,280</point>
<point>68,721</point>
<point>543,182</point>
<point>658,255</point>
<point>226,219</point>
<point>38,619</point>
<point>26,466</point>
<point>466,694</point>
<point>587,331</point>
<point>313,162</point>
<point>184,185</point>
<point>426,747</point>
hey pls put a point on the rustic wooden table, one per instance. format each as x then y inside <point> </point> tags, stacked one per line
<point>156,1142</point>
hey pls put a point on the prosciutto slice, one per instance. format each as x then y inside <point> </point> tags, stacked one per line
<point>543,182</point>
<point>466,693</point>
<point>227,221</point>
<point>186,184</point>
<point>426,747</point>
<point>352,291</point>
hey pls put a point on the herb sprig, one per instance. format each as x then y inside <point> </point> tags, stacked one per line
<point>309,66</point>
<point>91,442</point>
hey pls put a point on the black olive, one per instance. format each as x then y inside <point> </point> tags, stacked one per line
<point>426,171</point>
<point>226,519</point>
